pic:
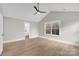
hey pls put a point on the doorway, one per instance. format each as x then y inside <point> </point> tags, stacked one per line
<point>26,30</point>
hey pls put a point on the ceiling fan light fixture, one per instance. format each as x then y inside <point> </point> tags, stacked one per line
<point>38,11</point>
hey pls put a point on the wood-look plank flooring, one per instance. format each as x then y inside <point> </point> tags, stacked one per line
<point>39,47</point>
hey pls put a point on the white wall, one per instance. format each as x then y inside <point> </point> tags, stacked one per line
<point>13,29</point>
<point>69,25</point>
<point>33,30</point>
<point>1,32</point>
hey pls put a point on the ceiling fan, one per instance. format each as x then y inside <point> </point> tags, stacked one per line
<point>37,9</point>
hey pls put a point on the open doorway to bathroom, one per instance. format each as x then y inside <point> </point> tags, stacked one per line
<point>26,30</point>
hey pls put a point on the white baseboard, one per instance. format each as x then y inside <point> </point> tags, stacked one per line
<point>62,41</point>
<point>19,39</point>
<point>33,36</point>
<point>14,40</point>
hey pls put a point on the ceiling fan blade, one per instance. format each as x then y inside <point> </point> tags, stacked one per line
<point>38,6</point>
<point>42,11</point>
<point>35,8</point>
<point>35,13</point>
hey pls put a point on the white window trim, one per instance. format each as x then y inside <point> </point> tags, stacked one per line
<point>51,27</point>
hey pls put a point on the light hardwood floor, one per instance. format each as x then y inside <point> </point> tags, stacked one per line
<point>39,47</point>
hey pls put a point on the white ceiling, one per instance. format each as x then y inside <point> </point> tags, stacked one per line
<point>26,11</point>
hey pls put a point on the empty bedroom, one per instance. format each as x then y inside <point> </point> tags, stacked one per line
<point>39,29</point>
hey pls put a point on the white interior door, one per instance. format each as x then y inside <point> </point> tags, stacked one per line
<point>1,33</point>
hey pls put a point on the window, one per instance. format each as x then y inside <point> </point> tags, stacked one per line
<point>52,28</point>
<point>48,28</point>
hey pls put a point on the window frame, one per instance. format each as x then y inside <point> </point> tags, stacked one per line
<point>52,22</point>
